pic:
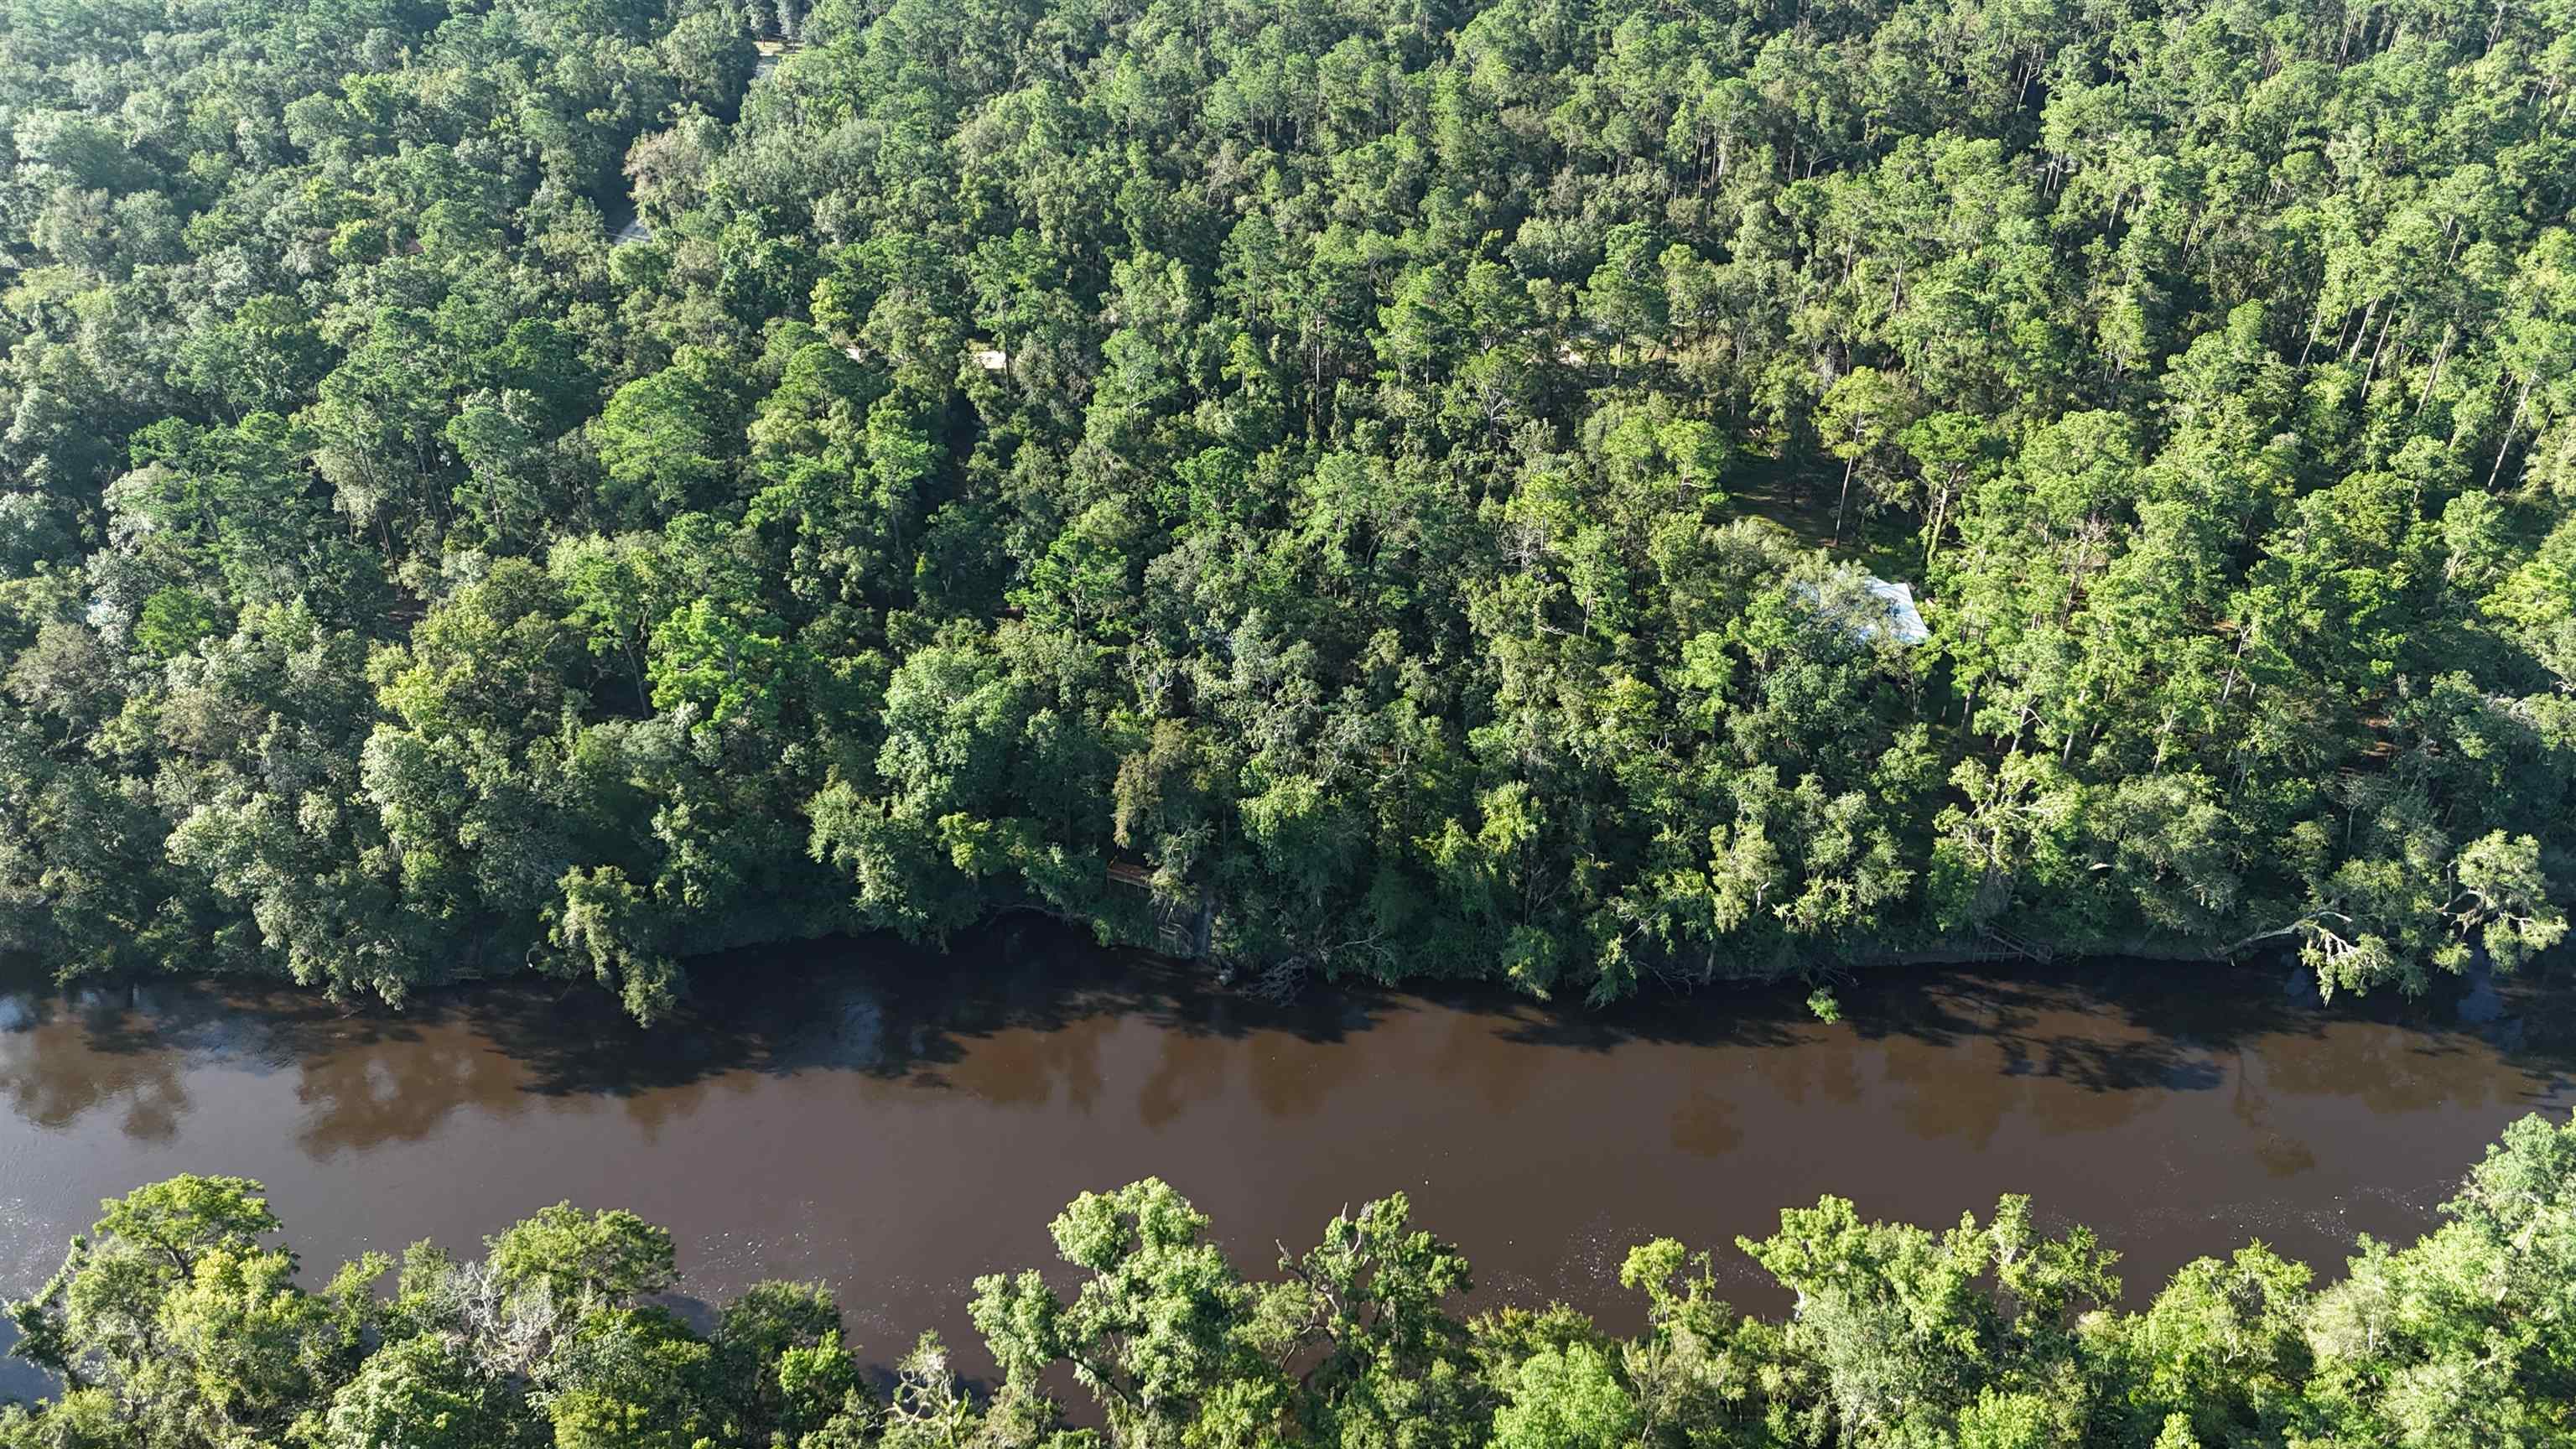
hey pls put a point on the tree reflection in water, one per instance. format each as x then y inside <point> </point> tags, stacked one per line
<point>869,1114</point>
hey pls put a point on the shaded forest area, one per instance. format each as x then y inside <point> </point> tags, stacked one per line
<point>178,1322</point>
<point>1344,486</point>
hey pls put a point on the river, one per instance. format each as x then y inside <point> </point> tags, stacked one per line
<point>896,1123</point>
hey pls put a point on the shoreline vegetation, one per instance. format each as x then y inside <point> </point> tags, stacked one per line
<point>180,1321</point>
<point>1574,494</point>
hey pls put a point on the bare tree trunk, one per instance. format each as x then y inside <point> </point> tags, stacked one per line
<point>2373,370</point>
<point>2441,355</point>
<point>2349,353</point>
<point>2510,424</point>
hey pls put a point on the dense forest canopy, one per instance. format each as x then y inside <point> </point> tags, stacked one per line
<point>1346,486</point>
<point>178,1323</point>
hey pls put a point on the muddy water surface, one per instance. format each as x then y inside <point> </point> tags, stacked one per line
<point>897,1124</point>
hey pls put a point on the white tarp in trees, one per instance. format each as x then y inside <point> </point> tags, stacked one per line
<point>1904,622</point>
<point>1871,608</point>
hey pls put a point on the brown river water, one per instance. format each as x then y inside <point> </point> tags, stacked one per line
<point>896,1123</point>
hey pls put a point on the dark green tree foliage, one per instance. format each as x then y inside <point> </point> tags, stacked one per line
<point>1348,486</point>
<point>175,1325</point>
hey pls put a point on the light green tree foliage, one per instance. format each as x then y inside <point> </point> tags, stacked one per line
<point>2461,1338</point>
<point>173,1309</point>
<point>1374,1296</point>
<point>172,1324</point>
<point>2221,1352</point>
<point>1566,1399</point>
<point>1912,1329</point>
<point>1163,1332</point>
<point>424,1391</point>
<point>1700,1374</point>
<point>575,1257</point>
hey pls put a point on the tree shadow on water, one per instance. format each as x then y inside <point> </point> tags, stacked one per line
<point>1010,1008</point>
<point>2111,1025</point>
<point>883,1009</point>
